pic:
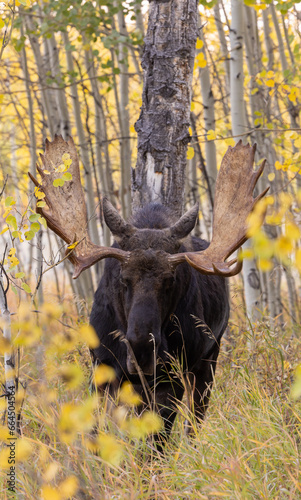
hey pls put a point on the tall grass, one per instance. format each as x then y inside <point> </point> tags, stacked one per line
<point>247,448</point>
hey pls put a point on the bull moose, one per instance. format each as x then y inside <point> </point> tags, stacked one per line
<point>157,272</point>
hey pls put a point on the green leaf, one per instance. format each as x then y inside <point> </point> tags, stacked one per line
<point>29,235</point>
<point>58,182</point>
<point>34,217</point>
<point>35,227</point>
<point>41,204</point>
<point>14,289</point>
<point>26,288</point>
<point>11,221</point>
<point>9,201</point>
<point>42,220</point>
<point>20,275</point>
<point>67,176</point>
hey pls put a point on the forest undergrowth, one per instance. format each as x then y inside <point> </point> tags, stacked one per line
<point>247,448</point>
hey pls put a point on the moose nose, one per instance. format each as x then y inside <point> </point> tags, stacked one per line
<point>141,352</point>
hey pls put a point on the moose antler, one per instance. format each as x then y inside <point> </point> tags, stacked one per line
<point>66,212</point>
<point>233,203</point>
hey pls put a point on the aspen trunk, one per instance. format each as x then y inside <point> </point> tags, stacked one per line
<point>9,363</point>
<point>250,273</point>
<point>125,146</point>
<point>163,124</point>
<point>209,120</point>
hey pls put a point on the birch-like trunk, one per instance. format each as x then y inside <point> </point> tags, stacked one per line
<point>59,93</point>
<point>9,363</point>
<point>209,118</point>
<point>101,143</point>
<point>125,145</point>
<point>48,100</point>
<point>162,127</point>
<point>223,44</point>
<point>250,272</point>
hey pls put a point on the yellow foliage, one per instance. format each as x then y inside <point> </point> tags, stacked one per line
<point>230,142</point>
<point>76,418</point>
<point>69,487</point>
<point>211,135</point>
<point>110,450</point>
<point>50,493</point>
<point>72,375</point>
<point>104,374</point>
<point>128,396</point>
<point>141,427</point>
<point>199,44</point>
<point>88,335</point>
<point>190,153</point>
<point>23,450</point>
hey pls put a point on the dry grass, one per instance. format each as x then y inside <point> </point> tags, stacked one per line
<point>248,447</point>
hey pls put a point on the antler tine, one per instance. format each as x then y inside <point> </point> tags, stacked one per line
<point>233,203</point>
<point>66,212</point>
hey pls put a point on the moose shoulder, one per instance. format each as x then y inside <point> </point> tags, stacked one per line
<point>163,295</point>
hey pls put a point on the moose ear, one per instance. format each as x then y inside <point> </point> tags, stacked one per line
<point>117,225</point>
<point>185,224</point>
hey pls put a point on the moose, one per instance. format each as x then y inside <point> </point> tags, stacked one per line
<point>163,294</point>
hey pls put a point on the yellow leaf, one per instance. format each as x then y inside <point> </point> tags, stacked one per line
<point>292,231</point>
<point>72,375</point>
<point>264,264</point>
<point>271,176</point>
<point>283,247</point>
<point>211,135</point>
<point>70,247</point>
<point>199,44</point>
<point>4,230</point>
<point>230,141</point>
<point>104,374</point>
<point>65,157</point>
<point>128,396</point>
<point>50,493</point>
<point>110,450</point>
<point>278,165</point>
<point>51,471</point>
<point>88,335</point>
<point>202,64</point>
<point>69,487</point>
<point>190,153</point>
<point>270,83</point>
<point>297,142</point>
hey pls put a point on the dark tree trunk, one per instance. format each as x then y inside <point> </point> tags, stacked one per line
<point>162,127</point>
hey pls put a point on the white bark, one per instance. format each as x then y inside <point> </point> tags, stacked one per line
<point>209,118</point>
<point>223,43</point>
<point>9,362</point>
<point>124,120</point>
<point>250,273</point>
<point>59,92</point>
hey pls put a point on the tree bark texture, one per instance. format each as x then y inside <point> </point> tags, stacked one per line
<point>163,124</point>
